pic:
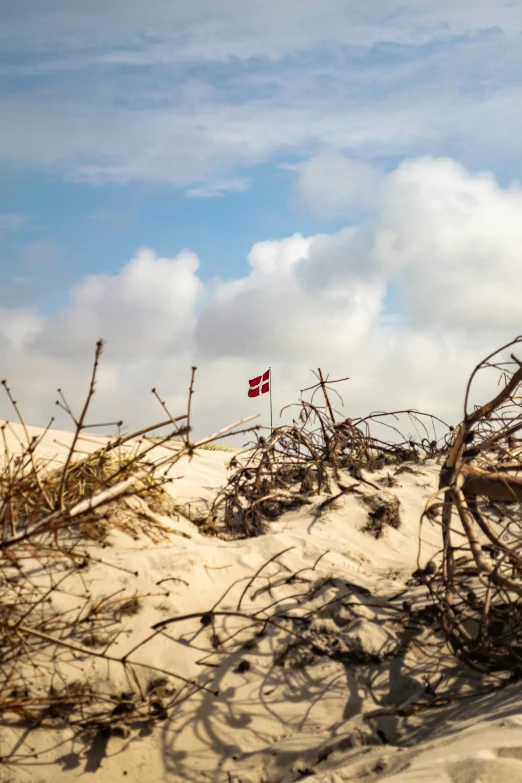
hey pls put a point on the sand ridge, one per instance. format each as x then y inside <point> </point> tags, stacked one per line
<point>284,713</point>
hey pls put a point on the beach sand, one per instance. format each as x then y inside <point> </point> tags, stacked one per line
<point>282,714</point>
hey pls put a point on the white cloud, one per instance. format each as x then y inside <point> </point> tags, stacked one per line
<point>201,31</point>
<point>452,239</point>
<point>147,309</point>
<point>445,240</point>
<point>294,77</point>
<point>330,184</point>
<point>187,147</point>
<point>18,326</point>
<point>219,188</point>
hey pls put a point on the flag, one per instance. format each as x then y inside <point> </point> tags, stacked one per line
<point>259,385</point>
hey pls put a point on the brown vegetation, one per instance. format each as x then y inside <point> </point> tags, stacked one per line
<point>50,517</point>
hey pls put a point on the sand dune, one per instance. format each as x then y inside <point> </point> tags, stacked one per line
<point>283,713</point>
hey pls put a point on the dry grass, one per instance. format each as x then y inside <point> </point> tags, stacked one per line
<point>50,517</point>
<point>204,446</point>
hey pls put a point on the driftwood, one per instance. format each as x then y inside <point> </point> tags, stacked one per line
<point>313,456</point>
<point>494,484</point>
<point>478,589</point>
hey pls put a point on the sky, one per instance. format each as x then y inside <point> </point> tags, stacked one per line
<point>237,185</point>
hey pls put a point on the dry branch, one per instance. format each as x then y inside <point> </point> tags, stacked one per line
<point>308,458</point>
<point>479,593</point>
<point>48,516</point>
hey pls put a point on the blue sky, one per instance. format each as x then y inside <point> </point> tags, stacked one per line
<point>97,228</point>
<point>222,128</point>
<point>60,62</point>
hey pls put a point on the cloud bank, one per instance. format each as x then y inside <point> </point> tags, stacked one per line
<point>193,94</point>
<point>405,303</point>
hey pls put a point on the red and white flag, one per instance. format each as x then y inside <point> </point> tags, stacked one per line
<point>259,385</point>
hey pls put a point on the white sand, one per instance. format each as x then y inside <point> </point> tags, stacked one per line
<point>274,724</point>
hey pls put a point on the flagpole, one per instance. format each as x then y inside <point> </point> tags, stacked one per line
<point>271,421</point>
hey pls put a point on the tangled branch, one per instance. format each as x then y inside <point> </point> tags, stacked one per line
<point>52,521</point>
<point>314,455</point>
<point>478,587</point>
